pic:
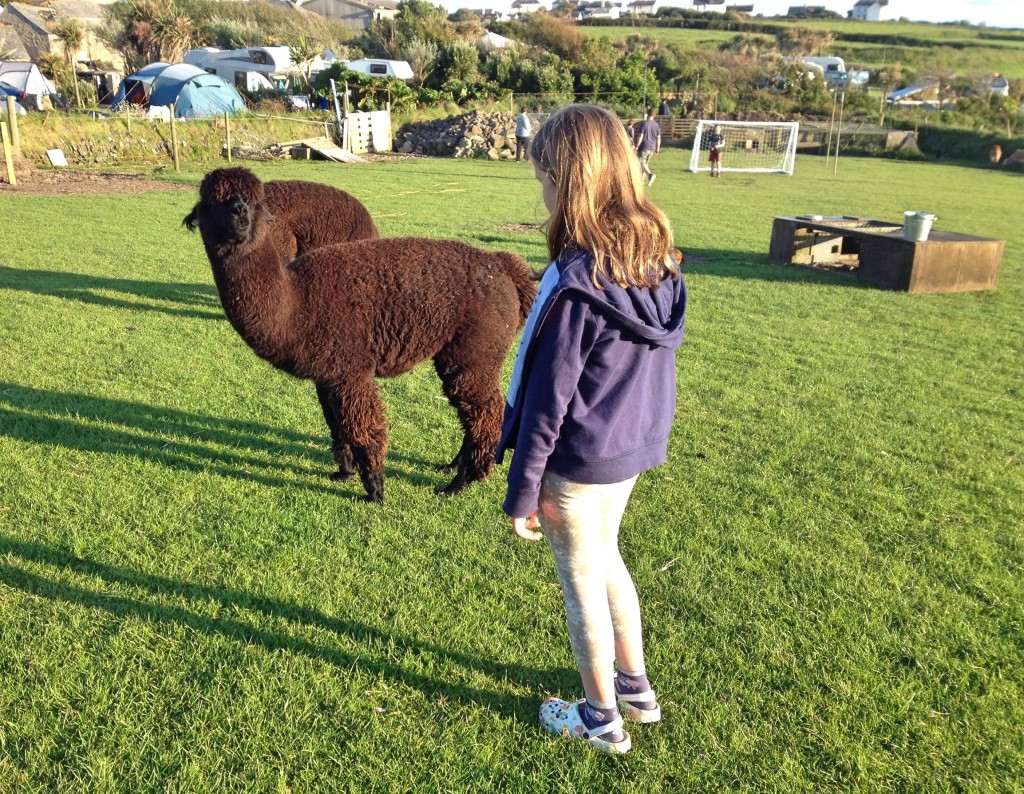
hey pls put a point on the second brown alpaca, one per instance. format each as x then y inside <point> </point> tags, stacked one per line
<point>346,314</point>
<point>304,216</point>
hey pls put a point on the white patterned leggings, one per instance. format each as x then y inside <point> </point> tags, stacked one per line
<point>581,524</point>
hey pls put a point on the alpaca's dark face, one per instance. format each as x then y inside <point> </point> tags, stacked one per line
<point>230,205</point>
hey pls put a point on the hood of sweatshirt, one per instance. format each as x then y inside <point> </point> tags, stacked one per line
<point>655,315</point>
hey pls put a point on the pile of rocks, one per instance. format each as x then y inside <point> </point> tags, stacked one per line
<point>474,134</point>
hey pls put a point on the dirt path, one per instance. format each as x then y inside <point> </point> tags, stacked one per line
<point>34,181</point>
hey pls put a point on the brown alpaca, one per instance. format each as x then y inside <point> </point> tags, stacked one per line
<point>304,216</point>
<point>995,154</point>
<point>345,314</point>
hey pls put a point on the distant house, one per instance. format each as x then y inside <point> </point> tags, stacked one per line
<point>33,25</point>
<point>702,5</point>
<point>489,15</point>
<point>740,9</point>
<point>805,11</point>
<point>641,7</point>
<point>598,10</point>
<point>520,8</point>
<point>356,15</point>
<point>868,10</point>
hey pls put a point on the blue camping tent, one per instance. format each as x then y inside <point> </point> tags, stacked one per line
<point>194,93</point>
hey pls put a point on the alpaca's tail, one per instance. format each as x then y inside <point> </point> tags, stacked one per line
<point>522,277</point>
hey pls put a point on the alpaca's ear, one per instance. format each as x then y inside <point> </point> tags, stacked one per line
<point>191,221</point>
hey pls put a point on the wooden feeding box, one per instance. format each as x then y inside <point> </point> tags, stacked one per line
<point>877,252</point>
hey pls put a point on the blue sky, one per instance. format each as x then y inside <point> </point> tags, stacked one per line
<point>995,13</point>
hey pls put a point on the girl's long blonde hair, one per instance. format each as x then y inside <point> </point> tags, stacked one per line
<point>601,207</point>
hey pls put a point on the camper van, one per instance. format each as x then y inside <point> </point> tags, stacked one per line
<point>250,68</point>
<point>378,67</point>
<point>831,67</point>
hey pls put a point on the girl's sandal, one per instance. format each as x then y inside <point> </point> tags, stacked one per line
<point>630,704</point>
<point>562,718</point>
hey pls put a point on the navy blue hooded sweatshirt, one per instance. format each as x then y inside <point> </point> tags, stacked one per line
<point>598,387</point>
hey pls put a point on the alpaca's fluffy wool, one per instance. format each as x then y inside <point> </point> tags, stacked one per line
<point>342,315</point>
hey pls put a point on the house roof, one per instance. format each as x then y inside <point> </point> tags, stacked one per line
<point>11,45</point>
<point>869,3</point>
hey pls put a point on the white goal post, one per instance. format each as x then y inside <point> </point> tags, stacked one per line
<point>767,147</point>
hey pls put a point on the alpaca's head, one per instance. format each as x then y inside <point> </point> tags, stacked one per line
<point>230,207</point>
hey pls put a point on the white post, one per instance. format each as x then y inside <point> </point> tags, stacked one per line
<point>839,132</point>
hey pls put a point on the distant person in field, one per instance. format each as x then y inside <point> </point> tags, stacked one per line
<point>648,144</point>
<point>524,130</point>
<point>716,143</point>
<point>590,405</point>
<point>663,109</point>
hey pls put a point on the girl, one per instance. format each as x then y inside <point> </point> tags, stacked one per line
<point>590,404</point>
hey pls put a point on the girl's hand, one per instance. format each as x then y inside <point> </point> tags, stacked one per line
<point>523,527</point>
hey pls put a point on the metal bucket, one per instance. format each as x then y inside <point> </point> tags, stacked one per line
<point>916,225</point>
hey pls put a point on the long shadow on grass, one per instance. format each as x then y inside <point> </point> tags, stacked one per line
<point>239,601</point>
<point>756,265</point>
<point>438,167</point>
<point>89,289</point>
<point>172,438</point>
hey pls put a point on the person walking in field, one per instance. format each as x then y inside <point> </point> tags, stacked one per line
<point>716,143</point>
<point>648,144</point>
<point>524,130</point>
<point>590,405</point>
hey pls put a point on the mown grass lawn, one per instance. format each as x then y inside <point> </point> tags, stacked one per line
<point>830,563</point>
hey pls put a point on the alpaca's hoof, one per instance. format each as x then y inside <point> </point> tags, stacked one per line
<point>341,474</point>
<point>376,499</point>
<point>452,488</point>
<point>374,485</point>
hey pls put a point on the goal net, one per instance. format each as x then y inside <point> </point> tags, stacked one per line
<point>757,146</point>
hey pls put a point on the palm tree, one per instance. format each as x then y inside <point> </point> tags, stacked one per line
<point>71,35</point>
<point>303,53</point>
<point>173,34</point>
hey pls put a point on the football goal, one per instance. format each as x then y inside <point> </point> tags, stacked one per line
<point>758,146</point>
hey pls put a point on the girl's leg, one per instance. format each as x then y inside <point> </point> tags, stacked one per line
<point>581,524</point>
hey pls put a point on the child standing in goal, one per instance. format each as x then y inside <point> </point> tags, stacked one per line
<point>590,404</point>
<point>716,143</point>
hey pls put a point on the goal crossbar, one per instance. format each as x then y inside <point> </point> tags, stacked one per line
<point>767,147</point>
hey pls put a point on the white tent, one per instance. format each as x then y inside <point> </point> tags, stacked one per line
<point>492,41</point>
<point>26,77</point>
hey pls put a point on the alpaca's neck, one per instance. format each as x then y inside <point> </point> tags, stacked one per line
<point>259,299</point>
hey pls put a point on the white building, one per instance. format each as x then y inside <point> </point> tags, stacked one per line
<point>868,10</point>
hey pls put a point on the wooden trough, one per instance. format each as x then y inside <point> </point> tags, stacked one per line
<point>878,253</point>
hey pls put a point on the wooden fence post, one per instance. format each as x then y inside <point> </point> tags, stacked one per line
<point>12,120</point>
<point>5,134</point>
<point>174,140</point>
<point>227,132</point>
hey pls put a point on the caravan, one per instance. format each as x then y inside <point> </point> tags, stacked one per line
<point>832,68</point>
<point>250,68</point>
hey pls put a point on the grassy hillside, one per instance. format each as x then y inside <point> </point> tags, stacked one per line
<point>830,562</point>
<point>968,51</point>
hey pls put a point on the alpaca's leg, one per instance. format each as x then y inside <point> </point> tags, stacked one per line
<point>476,397</point>
<point>361,416</point>
<point>340,446</point>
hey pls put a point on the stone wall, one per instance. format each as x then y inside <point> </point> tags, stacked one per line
<point>475,134</point>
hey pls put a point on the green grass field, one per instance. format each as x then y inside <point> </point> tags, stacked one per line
<point>943,49</point>
<point>830,563</point>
